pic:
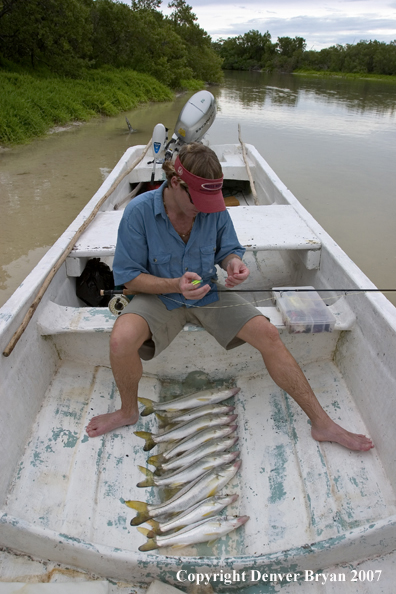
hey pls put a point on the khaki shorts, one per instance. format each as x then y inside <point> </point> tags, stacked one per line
<point>223,319</point>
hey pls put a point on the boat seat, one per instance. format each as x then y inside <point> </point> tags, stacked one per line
<point>270,227</point>
<point>60,319</point>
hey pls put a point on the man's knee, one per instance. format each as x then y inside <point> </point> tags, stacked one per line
<point>130,331</point>
<point>259,330</point>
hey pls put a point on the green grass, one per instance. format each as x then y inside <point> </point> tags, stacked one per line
<point>192,84</point>
<point>354,75</point>
<point>30,105</point>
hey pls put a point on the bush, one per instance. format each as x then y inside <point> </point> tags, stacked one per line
<point>31,105</point>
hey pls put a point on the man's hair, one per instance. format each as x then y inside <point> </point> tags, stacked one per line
<point>198,159</point>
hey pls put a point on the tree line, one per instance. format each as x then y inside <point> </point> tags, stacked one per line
<point>256,51</point>
<point>67,37</point>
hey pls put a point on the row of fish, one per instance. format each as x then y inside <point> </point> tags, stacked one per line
<point>198,432</point>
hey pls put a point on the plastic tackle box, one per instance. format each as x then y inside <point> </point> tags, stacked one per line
<point>303,311</point>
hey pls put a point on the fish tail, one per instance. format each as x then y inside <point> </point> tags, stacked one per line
<point>150,545</point>
<point>148,437</point>
<point>156,460</point>
<point>142,515</point>
<point>149,480</point>
<point>144,531</point>
<point>140,506</point>
<point>155,527</point>
<point>162,419</point>
<point>149,404</point>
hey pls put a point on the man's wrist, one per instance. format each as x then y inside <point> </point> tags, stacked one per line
<point>229,259</point>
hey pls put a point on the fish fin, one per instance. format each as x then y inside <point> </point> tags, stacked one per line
<point>140,518</point>
<point>162,419</point>
<point>155,526</point>
<point>150,545</point>
<point>140,506</point>
<point>148,437</point>
<point>149,404</point>
<point>142,515</point>
<point>156,460</point>
<point>149,480</point>
<point>212,542</point>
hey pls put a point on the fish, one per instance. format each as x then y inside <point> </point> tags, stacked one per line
<point>194,413</point>
<point>204,509</point>
<point>195,400</point>
<point>190,456</point>
<point>192,442</point>
<point>184,430</point>
<point>208,530</point>
<point>188,473</point>
<point>204,486</point>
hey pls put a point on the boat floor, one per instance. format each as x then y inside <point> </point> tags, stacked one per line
<point>295,490</point>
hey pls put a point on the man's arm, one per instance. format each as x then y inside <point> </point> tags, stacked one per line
<point>236,270</point>
<point>155,285</point>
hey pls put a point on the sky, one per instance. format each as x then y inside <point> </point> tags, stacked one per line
<point>321,23</point>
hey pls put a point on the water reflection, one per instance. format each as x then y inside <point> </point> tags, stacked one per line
<point>255,89</point>
<point>331,106</point>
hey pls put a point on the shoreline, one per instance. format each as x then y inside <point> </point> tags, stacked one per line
<point>388,78</point>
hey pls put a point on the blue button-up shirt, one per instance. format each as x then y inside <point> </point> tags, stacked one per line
<point>147,243</point>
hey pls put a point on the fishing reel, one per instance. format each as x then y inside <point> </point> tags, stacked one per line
<point>117,304</point>
<point>118,300</point>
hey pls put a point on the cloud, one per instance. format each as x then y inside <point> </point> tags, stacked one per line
<point>318,31</point>
<point>322,23</point>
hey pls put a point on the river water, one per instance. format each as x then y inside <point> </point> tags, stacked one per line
<point>331,141</point>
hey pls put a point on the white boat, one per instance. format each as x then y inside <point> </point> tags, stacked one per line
<point>312,505</point>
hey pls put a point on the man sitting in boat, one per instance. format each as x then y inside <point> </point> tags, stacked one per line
<point>169,241</point>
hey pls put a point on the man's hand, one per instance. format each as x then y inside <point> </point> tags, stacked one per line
<point>237,272</point>
<point>191,287</point>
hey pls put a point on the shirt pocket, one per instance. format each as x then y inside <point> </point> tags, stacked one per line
<point>160,265</point>
<point>208,260</point>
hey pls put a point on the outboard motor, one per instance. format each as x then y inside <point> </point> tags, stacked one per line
<point>194,121</point>
<point>160,137</point>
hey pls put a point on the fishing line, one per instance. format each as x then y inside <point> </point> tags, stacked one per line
<point>346,292</point>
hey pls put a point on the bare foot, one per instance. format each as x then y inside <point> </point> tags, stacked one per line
<point>108,422</point>
<point>335,433</point>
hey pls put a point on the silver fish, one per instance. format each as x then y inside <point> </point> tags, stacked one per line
<point>205,486</point>
<point>204,509</point>
<point>191,456</point>
<point>195,400</point>
<point>187,473</point>
<point>184,430</point>
<point>192,442</point>
<point>194,413</point>
<point>205,531</point>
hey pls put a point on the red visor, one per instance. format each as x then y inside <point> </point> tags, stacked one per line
<point>205,193</point>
